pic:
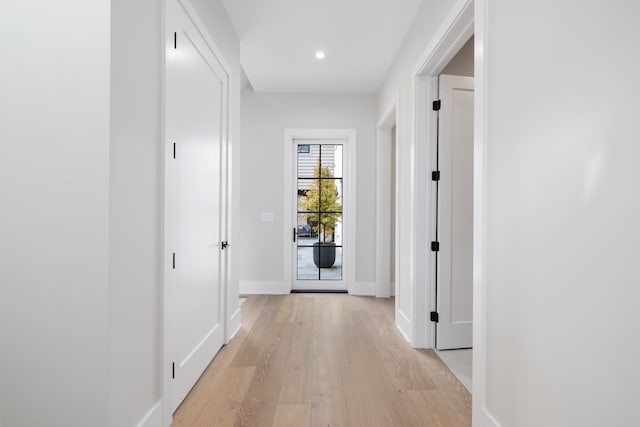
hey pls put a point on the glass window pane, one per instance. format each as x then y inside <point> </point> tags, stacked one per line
<point>329,228</point>
<point>308,162</point>
<point>335,271</point>
<point>340,190</point>
<point>324,254</point>
<point>307,270</point>
<point>332,160</point>
<point>307,234</point>
<point>308,200</point>
<point>330,195</point>
<point>319,228</point>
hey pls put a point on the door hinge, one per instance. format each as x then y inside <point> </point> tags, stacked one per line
<point>224,245</point>
<point>175,40</point>
<point>174,261</point>
<point>435,246</point>
<point>435,176</point>
<point>173,370</point>
<point>435,317</point>
<point>436,105</point>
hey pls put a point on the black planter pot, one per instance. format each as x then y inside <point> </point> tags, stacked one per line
<point>324,254</point>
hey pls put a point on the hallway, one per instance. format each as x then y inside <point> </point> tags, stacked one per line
<point>324,360</point>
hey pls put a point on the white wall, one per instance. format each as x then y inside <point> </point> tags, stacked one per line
<point>54,180</point>
<point>264,119</point>
<point>135,210</point>
<point>399,83</point>
<point>219,26</point>
<point>462,63</point>
<point>81,210</point>
<point>563,207</point>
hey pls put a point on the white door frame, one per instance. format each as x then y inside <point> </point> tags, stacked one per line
<point>225,193</point>
<point>455,32</point>
<point>481,415</point>
<point>349,202</point>
<point>467,18</point>
<point>389,119</point>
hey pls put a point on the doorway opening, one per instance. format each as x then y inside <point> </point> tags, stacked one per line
<point>387,205</point>
<point>459,30</point>
<point>452,205</point>
<point>468,19</point>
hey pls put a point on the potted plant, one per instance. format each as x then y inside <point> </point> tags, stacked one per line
<point>323,197</point>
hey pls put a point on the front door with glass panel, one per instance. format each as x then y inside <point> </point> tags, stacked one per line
<point>319,215</point>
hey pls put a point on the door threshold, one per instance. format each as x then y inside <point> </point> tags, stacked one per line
<point>318,291</point>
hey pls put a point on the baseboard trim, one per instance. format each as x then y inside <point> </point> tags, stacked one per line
<point>317,291</point>
<point>485,419</point>
<point>153,417</point>
<point>403,323</point>
<point>256,287</point>
<point>363,289</point>
<point>235,324</point>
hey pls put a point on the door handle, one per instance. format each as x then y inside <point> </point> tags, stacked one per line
<point>294,234</point>
<point>224,245</point>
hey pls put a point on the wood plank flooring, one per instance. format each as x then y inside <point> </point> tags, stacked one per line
<point>323,360</point>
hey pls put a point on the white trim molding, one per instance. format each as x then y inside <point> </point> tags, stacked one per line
<point>468,17</point>
<point>481,414</point>
<point>153,417</point>
<point>349,249</point>
<point>367,289</point>
<point>403,323</point>
<point>264,287</point>
<point>384,137</point>
<point>234,325</point>
<point>456,29</point>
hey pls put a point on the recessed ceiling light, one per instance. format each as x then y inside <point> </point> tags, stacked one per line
<point>320,54</point>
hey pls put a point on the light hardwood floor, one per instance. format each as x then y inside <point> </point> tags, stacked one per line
<point>327,360</point>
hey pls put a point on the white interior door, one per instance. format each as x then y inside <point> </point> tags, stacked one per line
<point>455,214</point>
<point>196,117</point>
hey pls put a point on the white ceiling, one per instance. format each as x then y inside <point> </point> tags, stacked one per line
<point>280,37</point>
